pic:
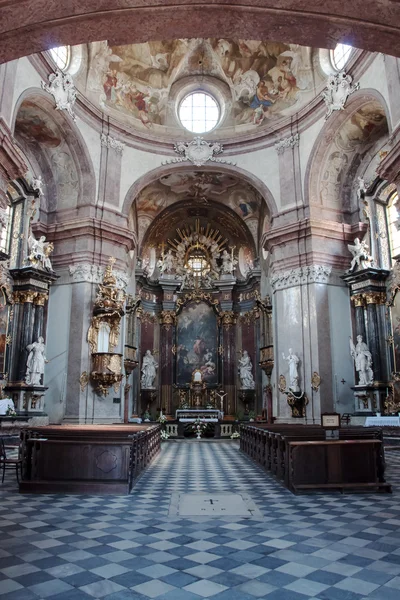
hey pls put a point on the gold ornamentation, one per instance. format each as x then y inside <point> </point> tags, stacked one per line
<point>221,350</point>
<point>282,384</point>
<point>146,318</point>
<point>390,340</point>
<point>107,310</point>
<point>41,299</point>
<point>267,360</point>
<point>24,297</point>
<point>297,404</point>
<point>8,340</point>
<point>173,349</point>
<point>227,318</point>
<point>375,297</point>
<point>197,296</point>
<point>107,371</point>
<point>83,380</point>
<point>167,319</point>
<point>358,300</point>
<point>315,381</point>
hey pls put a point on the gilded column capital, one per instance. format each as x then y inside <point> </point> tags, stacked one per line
<point>227,318</point>
<point>358,300</point>
<point>167,318</point>
<point>41,299</point>
<point>25,296</point>
<point>375,297</point>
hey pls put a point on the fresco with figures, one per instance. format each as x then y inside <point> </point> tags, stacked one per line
<point>267,80</point>
<point>196,343</point>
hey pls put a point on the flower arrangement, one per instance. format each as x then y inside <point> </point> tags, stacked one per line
<point>162,418</point>
<point>146,416</point>
<point>199,427</point>
<point>10,412</point>
<point>164,435</point>
<point>235,435</point>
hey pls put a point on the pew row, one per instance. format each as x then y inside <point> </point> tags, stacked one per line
<point>301,458</point>
<point>86,459</point>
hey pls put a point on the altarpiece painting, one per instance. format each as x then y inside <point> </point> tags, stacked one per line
<point>197,343</point>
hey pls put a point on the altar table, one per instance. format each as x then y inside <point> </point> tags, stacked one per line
<point>206,415</point>
<point>382,422</point>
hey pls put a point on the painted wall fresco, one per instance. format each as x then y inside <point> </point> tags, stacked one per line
<point>202,188</point>
<point>35,127</point>
<point>349,145</point>
<point>267,80</point>
<point>197,343</point>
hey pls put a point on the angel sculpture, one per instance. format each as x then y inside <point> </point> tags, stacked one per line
<point>361,258</point>
<point>39,252</point>
<point>363,361</point>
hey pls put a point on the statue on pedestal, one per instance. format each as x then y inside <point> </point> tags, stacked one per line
<point>228,263</point>
<point>363,361</point>
<point>293,361</point>
<point>166,263</point>
<point>39,252</point>
<point>361,258</point>
<point>149,367</point>
<point>35,363</point>
<point>245,374</point>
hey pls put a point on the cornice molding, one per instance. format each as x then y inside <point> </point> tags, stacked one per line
<point>300,276</point>
<point>290,142</point>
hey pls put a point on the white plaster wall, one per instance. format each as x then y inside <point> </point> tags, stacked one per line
<point>264,165</point>
<point>57,340</point>
<point>306,144</point>
<point>375,78</point>
<point>342,363</point>
<point>92,140</point>
<point>26,77</point>
<point>136,163</point>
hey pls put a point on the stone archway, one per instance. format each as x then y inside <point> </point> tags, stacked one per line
<point>368,25</point>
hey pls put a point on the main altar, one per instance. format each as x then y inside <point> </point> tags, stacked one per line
<point>199,325</point>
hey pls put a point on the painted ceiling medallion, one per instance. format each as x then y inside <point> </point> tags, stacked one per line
<point>61,87</point>
<point>198,152</point>
<point>338,89</point>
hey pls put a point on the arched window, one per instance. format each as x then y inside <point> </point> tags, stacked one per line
<point>340,56</point>
<point>393,216</point>
<point>61,56</point>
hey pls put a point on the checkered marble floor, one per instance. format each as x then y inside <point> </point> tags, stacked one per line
<point>319,546</point>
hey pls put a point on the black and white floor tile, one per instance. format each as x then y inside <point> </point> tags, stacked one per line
<point>318,546</point>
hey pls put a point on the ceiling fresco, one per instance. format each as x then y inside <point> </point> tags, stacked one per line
<point>349,144</point>
<point>266,81</point>
<point>201,189</point>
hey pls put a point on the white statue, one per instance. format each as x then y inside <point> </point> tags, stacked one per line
<point>228,263</point>
<point>361,258</point>
<point>166,264</point>
<point>39,252</point>
<point>245,374</point>
<point>35,363</point>
<point>293,361</point>
<point>149,366</point>
<point>363,361</point>
<point>37,184</point>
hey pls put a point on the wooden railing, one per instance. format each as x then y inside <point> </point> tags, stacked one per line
<point>283,449</point>
<point>87,459</point>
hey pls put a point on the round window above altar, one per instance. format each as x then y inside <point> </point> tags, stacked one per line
<point>199,112</point>
<point>197,262</point>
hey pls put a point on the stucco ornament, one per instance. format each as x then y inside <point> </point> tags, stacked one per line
<point>338,89</point>
<point>61,87</point>
<point>289,142</point>
<point>198,152</point>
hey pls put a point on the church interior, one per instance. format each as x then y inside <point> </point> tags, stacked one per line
<point>199,283</point>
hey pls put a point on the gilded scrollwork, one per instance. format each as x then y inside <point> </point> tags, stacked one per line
<point>315,381</point>
<point>282,384</point>
<point>167,319</point>
<point>197,296</point>
<point>227,319</point>
<point>83,380</point>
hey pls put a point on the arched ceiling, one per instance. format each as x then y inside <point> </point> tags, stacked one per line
<point>29,26</point>
<point>257,83</point>
<point>180,197</point>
